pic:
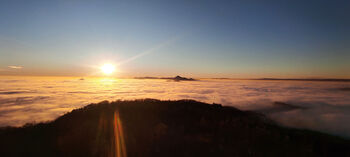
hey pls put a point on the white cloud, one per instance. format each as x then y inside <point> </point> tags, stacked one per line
<point>321,106</point>
<point>15,67</point>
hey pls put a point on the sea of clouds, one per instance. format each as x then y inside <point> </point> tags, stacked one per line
<point>316,105</point>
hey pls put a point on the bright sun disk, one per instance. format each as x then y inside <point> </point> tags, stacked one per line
<point>108,69</point>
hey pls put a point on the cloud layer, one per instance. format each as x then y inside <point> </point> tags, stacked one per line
<point>320,106</point>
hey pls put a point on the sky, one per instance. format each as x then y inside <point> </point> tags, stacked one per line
<point>238,39</point>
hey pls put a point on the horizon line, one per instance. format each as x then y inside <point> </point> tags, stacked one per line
<point>218,78</point>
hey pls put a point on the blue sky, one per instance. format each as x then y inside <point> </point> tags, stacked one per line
<point>192,38</point>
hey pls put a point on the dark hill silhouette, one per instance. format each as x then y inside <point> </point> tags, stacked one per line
<point>345,89</point>
<point>176,78</point>
<point>165,128</point>
<point>179,78</point>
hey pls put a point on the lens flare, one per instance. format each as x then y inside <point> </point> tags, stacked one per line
<point>120,148</point>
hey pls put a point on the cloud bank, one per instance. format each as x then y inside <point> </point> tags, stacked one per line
<point>322,106</point>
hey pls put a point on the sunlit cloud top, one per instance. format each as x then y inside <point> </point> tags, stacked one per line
<point>316,105</point>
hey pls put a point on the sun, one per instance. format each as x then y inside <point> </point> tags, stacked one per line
<point>108,68</point>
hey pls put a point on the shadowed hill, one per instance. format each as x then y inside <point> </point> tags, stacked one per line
<point>176,78</point>
<point>165,128</point>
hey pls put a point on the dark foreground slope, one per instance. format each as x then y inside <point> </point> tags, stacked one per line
<point>165,128</point>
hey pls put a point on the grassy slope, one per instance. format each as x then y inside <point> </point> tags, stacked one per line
<point>166,128</point>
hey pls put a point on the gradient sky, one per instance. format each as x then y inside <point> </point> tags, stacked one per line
<point>247,38</point>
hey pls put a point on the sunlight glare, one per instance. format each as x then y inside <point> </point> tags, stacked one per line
<point>108,69</point>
